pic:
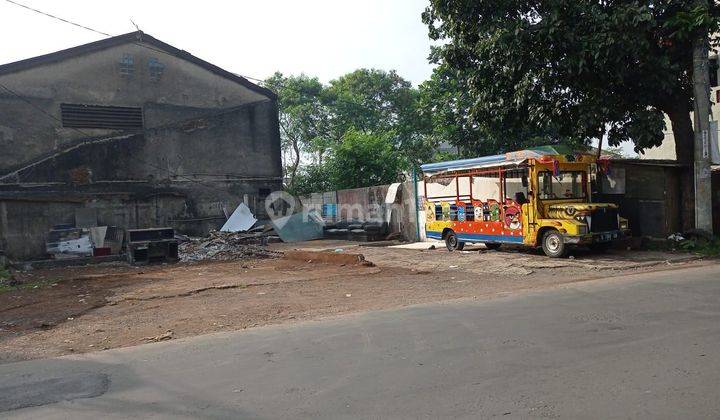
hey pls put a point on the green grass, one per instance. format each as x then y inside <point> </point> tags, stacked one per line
<point>707,247</point>
<point>4,274</point>
<point>39,284</point>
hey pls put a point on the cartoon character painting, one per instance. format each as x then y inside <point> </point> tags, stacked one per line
<point>494,211</point>
<point>512,218</point>
<point>461,214</point>
<point>478,212</point>
<point>430,211</point>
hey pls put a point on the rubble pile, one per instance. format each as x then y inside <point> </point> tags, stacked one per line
<point>225,246</point>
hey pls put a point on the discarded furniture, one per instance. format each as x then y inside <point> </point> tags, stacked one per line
<point>67,241</point>
<point>145,246</point>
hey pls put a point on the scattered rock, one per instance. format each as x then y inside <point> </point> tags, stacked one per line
<point>162,337</point>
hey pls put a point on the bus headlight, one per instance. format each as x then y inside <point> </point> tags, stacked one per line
<point>623,224</point>
<point>582,230</point>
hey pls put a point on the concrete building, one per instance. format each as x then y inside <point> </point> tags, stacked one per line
<point>130,132</point>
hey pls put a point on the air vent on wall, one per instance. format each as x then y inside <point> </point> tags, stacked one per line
<point>104,117</point>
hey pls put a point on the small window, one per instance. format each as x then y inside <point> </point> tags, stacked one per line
<point>155,69</point>
<point>127,66</point>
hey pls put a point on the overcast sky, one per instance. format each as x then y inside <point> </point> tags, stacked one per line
<point>325,38</point>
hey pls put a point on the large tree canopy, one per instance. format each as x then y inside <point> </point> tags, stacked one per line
<point>447,104</point>
<point>320,123</point>
<point>381,102</point>
<point>303,116</point>
<point>574,68</point>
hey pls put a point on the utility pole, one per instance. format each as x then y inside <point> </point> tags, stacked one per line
<point>701,87</point>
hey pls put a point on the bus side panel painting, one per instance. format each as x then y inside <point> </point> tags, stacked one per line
<point>475,222</point>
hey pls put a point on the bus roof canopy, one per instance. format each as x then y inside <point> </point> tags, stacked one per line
<point>503,160</point>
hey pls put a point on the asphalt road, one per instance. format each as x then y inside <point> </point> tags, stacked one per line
<point>643,346</point>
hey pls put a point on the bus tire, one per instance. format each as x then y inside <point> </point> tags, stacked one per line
<point>453,243</point>
<point>493,245</point>
<point>553,245</point>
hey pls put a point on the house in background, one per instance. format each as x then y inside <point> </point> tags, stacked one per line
<point>129,132</point>
<point>666,151</point>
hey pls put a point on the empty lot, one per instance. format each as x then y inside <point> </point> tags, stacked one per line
<point>76,310</point>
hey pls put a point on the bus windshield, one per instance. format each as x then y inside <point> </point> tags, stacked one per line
<point>565,185</point>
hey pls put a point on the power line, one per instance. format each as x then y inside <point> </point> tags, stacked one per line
<point>104,33</point>
<point>339,100</point>
<point>56,17</point>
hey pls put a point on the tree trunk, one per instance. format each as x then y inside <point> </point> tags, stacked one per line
<point>296,150</point>
<point>684,150</point>
<point>600,142</point>
<point>296,163</point>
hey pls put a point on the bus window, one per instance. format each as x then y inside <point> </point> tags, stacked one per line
<point>565,185</point>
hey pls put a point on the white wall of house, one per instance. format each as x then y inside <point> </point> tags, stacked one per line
<point>667,149</point>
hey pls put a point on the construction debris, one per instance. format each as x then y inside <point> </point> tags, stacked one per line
<point>241,220</point>
<point>227,246</point>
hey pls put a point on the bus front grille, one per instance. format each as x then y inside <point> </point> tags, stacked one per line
<point>604,220</point>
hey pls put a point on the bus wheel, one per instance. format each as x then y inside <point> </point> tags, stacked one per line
<point>553,244</point>
<point>452,243</point>
<point>492,245</point>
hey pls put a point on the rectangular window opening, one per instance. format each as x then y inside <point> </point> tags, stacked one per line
<point>102,117</point>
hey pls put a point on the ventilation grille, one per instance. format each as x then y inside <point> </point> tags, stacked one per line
<point>106,117</point>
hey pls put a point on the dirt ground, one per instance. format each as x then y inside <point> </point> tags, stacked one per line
<point>76,310</point>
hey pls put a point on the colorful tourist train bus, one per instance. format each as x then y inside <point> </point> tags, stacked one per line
<point>535,197</point>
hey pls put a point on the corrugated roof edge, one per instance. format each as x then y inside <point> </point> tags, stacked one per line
<point>132,37</point>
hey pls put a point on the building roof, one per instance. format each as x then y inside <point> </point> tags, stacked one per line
<point>139,38</point>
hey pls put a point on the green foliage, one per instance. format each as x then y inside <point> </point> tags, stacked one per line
<point>703,246</point>
<point>383,103</point>
<point>4,274</point>
<point>567,69</point>
<point>364,159</point>
<point>310,179</point>
<point>6,285</point>
<point>303,116</point>
<point>366,108</point>
<point>447,101</point>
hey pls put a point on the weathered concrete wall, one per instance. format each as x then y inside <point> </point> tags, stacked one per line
<point>368,204</point>
<point>95,79</point>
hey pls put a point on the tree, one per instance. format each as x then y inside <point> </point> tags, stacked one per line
<point>380,102</point>
<point>364,159</point>
<point>575,67</point>
<point>360,107</point>
<point>302,116</point>
<point>447,102</point>
<point>312,178</point>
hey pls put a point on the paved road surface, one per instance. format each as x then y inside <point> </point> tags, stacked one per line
<point>644,346</point>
